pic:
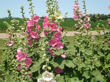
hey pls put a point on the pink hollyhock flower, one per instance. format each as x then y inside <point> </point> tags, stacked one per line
<point>76,25</point>
<point>109,22</point>
<point>58,70</point>
<point>93,37</point>
<point>53,42</point>
<point>30,23</point>
<point>88,25</point>
<point>35,19</point>
<point>51,52</point>
<point>27,62</point>
<point>29,29</point>
<point>59,45</point>
<point>38,27</point>
<point>10,43</point>
<point>45,19</point>
<point>46,24</point>
<point>19,67</point>
<point>75,18</point>
<point>30,43</point>
<point>60,29</point>
<point>64,55</point>
<point>29,37</point>
<point>20,55</point>
<point>34,35</point>
<point>53,27</point>
<point>30,75</point>
<point>57,35</point>
<point>85,31</point>
<point>45,33</point>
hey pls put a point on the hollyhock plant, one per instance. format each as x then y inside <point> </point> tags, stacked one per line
<point>58,70</point>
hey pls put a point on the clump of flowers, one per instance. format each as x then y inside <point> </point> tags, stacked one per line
<point>83,21</point>
<point>21,57</point>
<point>46,77</point>
<point>33,29</point>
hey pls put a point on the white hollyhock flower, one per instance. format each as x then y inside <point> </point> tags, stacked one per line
<point>47,76</point>
<point>40,80</point>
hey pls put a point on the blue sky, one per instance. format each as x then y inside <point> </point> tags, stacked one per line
<point>93,7</point>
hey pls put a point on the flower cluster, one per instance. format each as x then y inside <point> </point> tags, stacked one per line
<point>33,29</point>
<point>46,77</point>
<point>21,57</point>
<point>83,21</point>
<point>55,31</point>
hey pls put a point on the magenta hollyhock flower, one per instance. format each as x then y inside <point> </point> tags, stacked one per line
<point>30,74</point>
<point>29,29</point>
<point>30,23</point>
<point>58,70</point>
<point>60,29</point>
<point>20,55</point>
<point>46,24</point>
<point>35,19</point>
<point>45,19</point>
<point>57,35</point>
<point>30,43</point>
<point>64,55</point>
<point>51,52</point>
<point>27,62</point>
<point>19,67</point>
<point>53,27</point>
<point>10,43</point>
<point>53,42</point>
<point>38,27</point>
<point>34,35</point>
<point>29,37</point>
<point>59,45</point>
<point>45,33</point>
